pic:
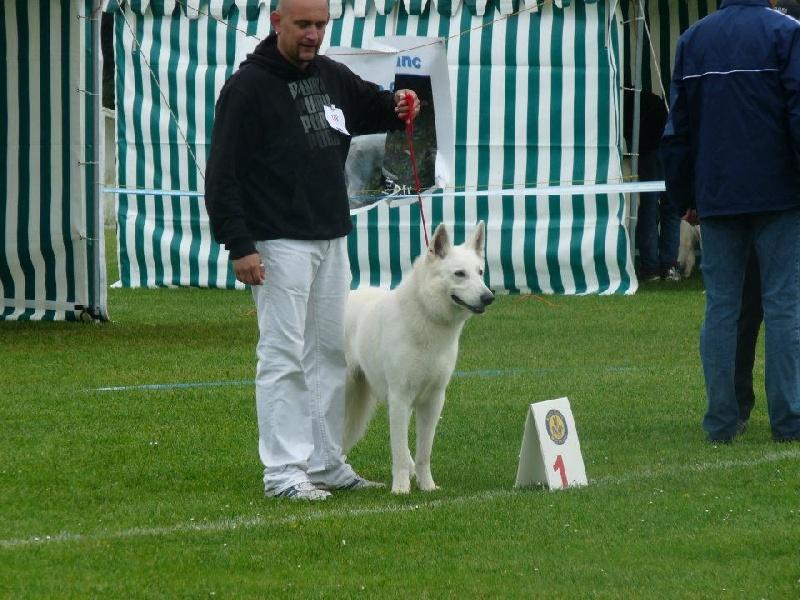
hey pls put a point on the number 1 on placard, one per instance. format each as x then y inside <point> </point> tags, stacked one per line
<point>559,466</point>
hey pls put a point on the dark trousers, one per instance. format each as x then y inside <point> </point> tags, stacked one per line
<point>747,328</point>
<point>728,243</point>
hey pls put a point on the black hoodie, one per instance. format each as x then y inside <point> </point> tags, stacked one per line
<point>276,166</point>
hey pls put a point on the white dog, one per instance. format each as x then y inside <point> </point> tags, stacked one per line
<point>690,242</point>
<point>402,345</point>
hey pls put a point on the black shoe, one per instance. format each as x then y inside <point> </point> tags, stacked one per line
<point>357,483</point>
<point>649,276</point>
<point>719,440</point>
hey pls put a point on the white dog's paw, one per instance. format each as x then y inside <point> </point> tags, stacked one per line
<point>401,488</point>
<point>401,483</point>
<point>425,479</point>
<point>428,485</point>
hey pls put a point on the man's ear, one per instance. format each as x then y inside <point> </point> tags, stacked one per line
<point>275,20</point>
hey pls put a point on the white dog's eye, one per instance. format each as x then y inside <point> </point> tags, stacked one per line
<point>480,272</point>
<point>460,273</point>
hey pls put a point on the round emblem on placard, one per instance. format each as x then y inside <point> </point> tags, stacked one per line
<point>556,427</point>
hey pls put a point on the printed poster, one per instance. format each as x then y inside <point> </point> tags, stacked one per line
<point>379,166</point>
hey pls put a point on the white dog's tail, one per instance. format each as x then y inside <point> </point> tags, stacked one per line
<point>359,408</point>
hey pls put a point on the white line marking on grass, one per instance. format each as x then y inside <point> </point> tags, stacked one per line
<point>458,374</point>
<point>720,465</point>
<point>171,386</point>
<point>244,382</point>
<point>247,522</point>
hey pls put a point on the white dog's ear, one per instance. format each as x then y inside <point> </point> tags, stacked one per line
<point>477,238</point>
<point>440,242</point>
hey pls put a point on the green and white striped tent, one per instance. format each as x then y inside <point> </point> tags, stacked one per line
<point>535,104</point>
<point>554,66</point>
<point>52,263</point>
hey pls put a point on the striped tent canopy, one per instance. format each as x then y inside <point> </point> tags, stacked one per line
<point>221,9</point>
<point>52,263</point>
<point>535,89</point>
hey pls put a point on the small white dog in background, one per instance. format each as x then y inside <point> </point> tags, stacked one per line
<point>690,243</point>
<point>401,348</point>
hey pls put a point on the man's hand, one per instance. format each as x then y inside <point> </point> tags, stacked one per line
<point>691,217</point>
<point>402,107</point>
<point>249,269</point>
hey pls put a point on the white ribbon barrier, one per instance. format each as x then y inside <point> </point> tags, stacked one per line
<point>405,199</point>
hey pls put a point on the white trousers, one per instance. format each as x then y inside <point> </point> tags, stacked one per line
<point>301,367</point>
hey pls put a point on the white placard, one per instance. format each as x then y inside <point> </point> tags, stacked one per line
<point>551,452</point>
<point>335,118</point>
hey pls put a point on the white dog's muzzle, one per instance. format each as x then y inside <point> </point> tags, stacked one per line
<point>485,300</point>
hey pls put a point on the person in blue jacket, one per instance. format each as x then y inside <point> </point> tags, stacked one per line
<point>658,224</point>
<point>751,314</point>
<point>731,149</point>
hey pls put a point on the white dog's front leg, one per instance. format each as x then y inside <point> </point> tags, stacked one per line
<point>399,416</point>
<point>427,420</point>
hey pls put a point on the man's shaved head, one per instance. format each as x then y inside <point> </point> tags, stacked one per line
<point>300,25</point>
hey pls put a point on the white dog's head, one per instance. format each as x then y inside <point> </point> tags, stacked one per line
<point>459,269</point>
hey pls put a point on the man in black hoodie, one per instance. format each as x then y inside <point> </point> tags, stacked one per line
<point>276,198</point>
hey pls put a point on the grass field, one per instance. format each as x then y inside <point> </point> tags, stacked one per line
<point>155,492</point>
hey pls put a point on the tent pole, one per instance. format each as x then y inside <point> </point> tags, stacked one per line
<point>637,109</point>
<point>99,303</point>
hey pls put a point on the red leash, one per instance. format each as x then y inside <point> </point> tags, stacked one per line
<point>410,136</point>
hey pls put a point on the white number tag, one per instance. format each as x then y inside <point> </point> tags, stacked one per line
<point>335,118</point>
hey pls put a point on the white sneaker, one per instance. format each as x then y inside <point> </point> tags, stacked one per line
<point>672,274</point>
<point>305,490</point>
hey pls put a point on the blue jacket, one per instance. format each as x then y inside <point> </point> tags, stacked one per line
<point>732,141</point>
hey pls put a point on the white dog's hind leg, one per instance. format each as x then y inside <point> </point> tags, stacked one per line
<point>399,416</point>
<point>359,408</point>
<point>688,265</point>
<point>686,258</point>
<point>427,419</point>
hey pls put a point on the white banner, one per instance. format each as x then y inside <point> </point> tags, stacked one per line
<point>378,166</point>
